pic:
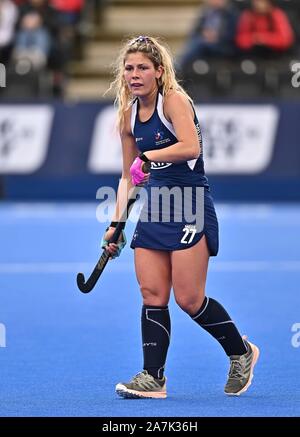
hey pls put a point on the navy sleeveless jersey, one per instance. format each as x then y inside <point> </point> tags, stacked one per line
<point>158,133</point>
<point>171,234</point>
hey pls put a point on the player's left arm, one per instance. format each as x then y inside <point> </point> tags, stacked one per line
<point>178,110</point>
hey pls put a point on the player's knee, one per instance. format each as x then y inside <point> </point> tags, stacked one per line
<point>154,296</point>
<point>190,304</point>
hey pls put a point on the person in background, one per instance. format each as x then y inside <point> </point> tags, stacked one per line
<point>69,18</point>
<point>35,33</point>
<point>214,33</point>
<point>54,53</point>
<point>69,10</point>
<point>264,29</point>
<point>32,41</point>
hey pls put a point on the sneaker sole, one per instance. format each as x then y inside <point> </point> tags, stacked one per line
<point>254,361</point>
<point>126,393</point>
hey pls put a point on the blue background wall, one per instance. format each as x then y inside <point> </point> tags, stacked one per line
<point>65,175</point>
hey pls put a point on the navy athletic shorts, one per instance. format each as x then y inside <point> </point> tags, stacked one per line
<point>177,231</point>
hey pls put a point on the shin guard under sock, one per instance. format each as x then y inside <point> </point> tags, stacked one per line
<point>214,319</point>
<point>156,329</point>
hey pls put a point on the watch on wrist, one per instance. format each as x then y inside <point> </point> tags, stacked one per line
<point>143,157</point>
<point>146,167</point>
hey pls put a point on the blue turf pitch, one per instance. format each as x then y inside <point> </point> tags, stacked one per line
<point>65,351</point>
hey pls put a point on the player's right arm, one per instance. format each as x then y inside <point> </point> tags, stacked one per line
<point>129,153</point>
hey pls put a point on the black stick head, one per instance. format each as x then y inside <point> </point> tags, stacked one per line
<point>82,284</point>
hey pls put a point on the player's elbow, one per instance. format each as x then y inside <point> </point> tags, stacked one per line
<point>195,152</point>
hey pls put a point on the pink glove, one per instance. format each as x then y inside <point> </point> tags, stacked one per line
<point>137,174</point>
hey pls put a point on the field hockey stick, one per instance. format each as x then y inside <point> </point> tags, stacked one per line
<point>86,287</point>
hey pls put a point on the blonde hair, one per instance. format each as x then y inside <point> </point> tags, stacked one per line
<point>159,55</point>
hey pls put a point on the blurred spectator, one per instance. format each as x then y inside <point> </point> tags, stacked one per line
<point>264,29</point>
<point>46,11</point>
<point>33,40</point>
<point>54,51</point>
<point>57,56</point>
<point>8,19</point>
<point>69,11</point>
<point>214,33</point>
<point>69,16</point>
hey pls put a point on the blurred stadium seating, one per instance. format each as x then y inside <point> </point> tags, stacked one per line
<point>247,77</point>
<point>105,23</point>
<point>57,149</point>
<point>169,19</point>
<point>243,77</point>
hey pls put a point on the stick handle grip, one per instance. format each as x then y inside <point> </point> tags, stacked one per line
<point>121,224</point>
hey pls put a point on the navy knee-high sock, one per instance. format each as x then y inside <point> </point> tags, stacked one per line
<point>156,330</point>
<point>214,319</point>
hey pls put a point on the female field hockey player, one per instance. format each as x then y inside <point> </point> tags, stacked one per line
<point>158,125</point>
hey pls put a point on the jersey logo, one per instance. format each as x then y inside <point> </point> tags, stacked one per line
<point>160,165</point>
<point>159,135</point>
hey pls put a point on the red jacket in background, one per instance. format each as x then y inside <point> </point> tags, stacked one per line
<point>67,5</point>
<point>273,30</point>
